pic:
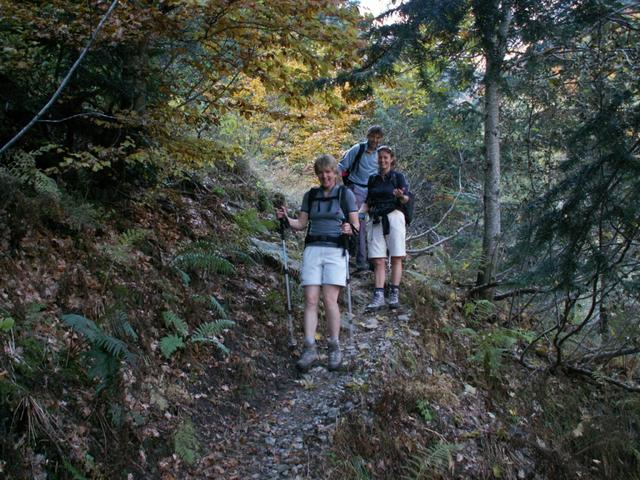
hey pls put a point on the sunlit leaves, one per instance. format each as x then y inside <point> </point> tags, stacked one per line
<point>164,71</point>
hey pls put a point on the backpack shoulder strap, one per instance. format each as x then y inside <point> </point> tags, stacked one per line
<point>356,161</point>
<point>343,206</point>
<point>313,195</point>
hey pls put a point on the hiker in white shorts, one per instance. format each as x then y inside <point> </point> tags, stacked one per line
<point>386,230</point>
<point>328,213</point>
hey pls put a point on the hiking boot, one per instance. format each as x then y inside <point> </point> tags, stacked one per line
<point>308,358</point>
<point>394,300</point>
<point>335,355</point>
<point>378,300</point>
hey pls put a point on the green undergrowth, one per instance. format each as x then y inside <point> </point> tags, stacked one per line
<point>398,435</point>
<point>581,429</point>
<point>117,304</point>
<point>458,405</point>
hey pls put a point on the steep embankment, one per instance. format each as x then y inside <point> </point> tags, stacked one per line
<point>113,315</point>
<point>107,369</point>
<point>118,360</point>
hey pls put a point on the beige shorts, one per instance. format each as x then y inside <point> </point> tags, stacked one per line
<point>394,242</point>
<point>323,266</point>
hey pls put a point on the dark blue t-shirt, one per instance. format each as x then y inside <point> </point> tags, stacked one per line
<point>380,197</point>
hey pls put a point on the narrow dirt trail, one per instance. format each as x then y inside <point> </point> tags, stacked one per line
<point>290,432</point>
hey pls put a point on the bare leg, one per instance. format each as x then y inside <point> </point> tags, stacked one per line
<point>378,271</point>
<point>311,297</point>
<point>396,270</point>
<point>332,311</point>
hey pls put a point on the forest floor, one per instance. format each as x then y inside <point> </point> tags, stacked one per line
<point>392,395</point>
<point>289,432</point>
<point>425,392</point>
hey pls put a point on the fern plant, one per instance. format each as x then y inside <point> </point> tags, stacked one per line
<point>206,333</point>
<point>171,320</point>
<point>213,302</point>
<point>105,353</point>
<point>6,324</point>
<point>479,310</point>
<point>491,345</point>
<point>358,467</point>
<point>242,257</point>
<point>132,236</point>
<point>217,307</point>
<point>184,276</point>
<point>170,344</point>
<point>121,251</point>
<point>250,223</point>
<point>203,256</point>
<point>437,458</point>
<point>121,327</point>
<point>422,406</point>
<point>79,214</point>
<point>22,166</point>
<point>186,443</point>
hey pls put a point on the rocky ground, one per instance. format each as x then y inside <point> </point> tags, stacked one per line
<point>289,432</point>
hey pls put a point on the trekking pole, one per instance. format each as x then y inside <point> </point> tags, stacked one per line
<point>345,241</point>
<point>292,339</point>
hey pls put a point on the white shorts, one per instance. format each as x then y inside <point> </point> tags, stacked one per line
<point>323,266</point>
<point>394,242</point>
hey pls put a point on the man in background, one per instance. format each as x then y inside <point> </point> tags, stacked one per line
<point>357,165</point>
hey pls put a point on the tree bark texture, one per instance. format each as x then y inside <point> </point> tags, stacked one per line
<point>493,19</point>
<point>491,196</point>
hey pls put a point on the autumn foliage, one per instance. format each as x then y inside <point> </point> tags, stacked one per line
<point>160,77</point>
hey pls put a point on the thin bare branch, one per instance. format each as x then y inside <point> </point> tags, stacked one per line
<point>515,293</point>
<point>66,79</point>
<point>606,356</point>
<point>592,374</point>
<point>410,238</point>
<point>84,114</point>
<point>421,251</point>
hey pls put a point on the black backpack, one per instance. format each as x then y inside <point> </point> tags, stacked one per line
<point>354,165</point>
<point>406,208</point>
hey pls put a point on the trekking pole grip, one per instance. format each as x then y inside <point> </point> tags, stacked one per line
<point>284,224</point>
<point>345,239</point>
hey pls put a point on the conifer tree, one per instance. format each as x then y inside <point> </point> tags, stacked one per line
<point>502,34</point>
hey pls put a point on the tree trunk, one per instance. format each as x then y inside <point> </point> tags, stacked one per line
<point>491,195</point>
<point>493,19</point>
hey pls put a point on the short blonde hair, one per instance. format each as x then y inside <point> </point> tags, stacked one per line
<point>325,162</point>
